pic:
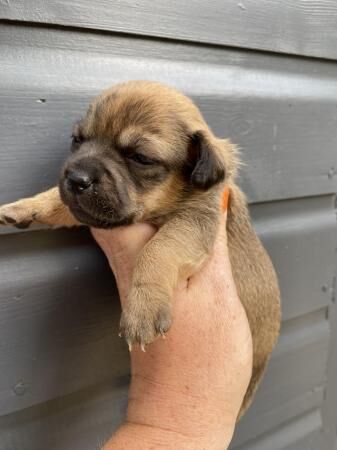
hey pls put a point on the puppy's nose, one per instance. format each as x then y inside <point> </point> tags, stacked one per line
<point>79,180</point>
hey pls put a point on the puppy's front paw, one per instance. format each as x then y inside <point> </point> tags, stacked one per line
<point>19,214</point>
<point>144,318</point>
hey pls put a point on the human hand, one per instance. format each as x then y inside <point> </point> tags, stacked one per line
<point>186,391</point>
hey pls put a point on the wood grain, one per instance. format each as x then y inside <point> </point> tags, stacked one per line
<point>302,433</point>
<point>59,318</point>
<point>63,371</point>
<point>302,27</point>
<point>281,112</point>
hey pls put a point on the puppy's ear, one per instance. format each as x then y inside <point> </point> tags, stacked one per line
<point>204,161</point>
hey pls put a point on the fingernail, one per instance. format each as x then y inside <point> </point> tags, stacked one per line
<point>225,199</point>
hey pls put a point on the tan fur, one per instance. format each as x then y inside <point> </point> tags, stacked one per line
<point>160,119</point>
<point>45,209</point>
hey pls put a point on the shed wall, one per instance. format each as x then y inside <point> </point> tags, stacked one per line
<point>264,74</point>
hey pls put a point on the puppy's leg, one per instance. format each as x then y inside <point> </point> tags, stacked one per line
<point>174,253</point>
<point>46,208</point>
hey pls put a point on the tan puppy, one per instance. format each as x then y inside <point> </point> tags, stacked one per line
<point>144,153</point>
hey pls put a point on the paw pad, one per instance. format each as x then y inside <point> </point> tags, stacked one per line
<point>23,225</point>
<point>9,219</point>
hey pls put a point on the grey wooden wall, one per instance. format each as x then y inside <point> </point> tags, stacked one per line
<point>264,73</point>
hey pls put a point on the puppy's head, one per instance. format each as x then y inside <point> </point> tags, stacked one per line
<point>142,150</point>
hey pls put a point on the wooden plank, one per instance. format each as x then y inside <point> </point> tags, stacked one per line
<point>61,362</point>
<point>59,319</point>
<point>93,416</point>
<point>292,232</point>
<point>298,339</point>
<point>253,426</point>
<point>297,367</point>
<point>83,421</point>
<point>297,434</point>
<point>329,410</point>
<point>279,111</point>
<point>287,391</point>
<point>299,27</point>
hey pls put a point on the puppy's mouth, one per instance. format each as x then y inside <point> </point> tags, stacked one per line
<point>98,217</point>
<point>98,221</point>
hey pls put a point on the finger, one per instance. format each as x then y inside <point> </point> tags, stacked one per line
<point>225,199</point>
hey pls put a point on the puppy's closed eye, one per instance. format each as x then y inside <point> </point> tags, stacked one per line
<point>140,158</point>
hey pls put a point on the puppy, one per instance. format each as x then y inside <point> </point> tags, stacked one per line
<point>143,153</point>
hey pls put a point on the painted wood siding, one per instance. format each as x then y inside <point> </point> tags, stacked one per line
<point>264,73</point>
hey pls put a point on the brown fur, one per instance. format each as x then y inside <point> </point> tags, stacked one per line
<point>180,193</point>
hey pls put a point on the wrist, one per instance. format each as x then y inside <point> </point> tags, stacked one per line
<point>133,436</point>
<point>183,417</point>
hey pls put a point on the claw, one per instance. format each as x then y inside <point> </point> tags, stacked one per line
<point>120,334</point>
<point>142,347</point>
<point>162,333</point>
<point>130,347</point>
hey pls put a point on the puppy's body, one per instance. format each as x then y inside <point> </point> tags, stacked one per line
<point>144,153</point>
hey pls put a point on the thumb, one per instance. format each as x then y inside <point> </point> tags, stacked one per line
<point>121,247</point>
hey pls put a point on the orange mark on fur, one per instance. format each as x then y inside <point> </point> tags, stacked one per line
<point>225,199</point>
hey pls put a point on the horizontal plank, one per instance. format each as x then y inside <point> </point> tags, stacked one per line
<point>83,420</point>
<point>329,411</point>
<point>297,335</point>
<point>59,314</point>
<point>293,231</point>
<point>253,426</point>
<point>294,380</point>
<point>95,414</point>
<point>297,27</point>
<point>277,110</point>
<point>297,434</point>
